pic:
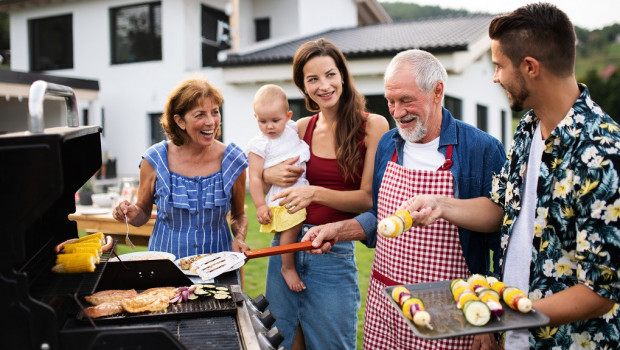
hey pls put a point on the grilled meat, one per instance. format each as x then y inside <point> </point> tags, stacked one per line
<point>108,296</point>
<point>105,309</point>
<point>146,302</point>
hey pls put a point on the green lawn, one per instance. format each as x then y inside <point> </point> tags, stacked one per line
<point>255,269</point>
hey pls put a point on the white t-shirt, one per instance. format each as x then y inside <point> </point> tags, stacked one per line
<point>423,156</point>
<point>519,251</point>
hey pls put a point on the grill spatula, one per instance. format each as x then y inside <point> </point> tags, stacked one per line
<point>216,264</point>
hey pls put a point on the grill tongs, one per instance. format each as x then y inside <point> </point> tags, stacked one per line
<point>216,264</point>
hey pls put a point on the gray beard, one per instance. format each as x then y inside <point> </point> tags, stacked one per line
<point>413,135</point>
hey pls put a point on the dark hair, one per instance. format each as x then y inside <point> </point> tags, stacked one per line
<point>184,97</point>
<point>350,126</point>
<point>541,31</point>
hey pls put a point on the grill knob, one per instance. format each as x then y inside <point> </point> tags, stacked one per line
<point>266,318</point>
<point>259,303</point>
<point>271,339</point>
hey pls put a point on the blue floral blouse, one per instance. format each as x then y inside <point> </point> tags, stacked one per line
<point>191,211</point>
<point>577,232</point>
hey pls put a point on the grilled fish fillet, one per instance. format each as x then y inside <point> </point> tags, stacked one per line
<point>145,302</point>
<point>108,296</point>
<point>105,309</point>
<point>170,292</point>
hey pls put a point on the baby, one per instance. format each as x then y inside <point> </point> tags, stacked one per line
<point>277,142</point>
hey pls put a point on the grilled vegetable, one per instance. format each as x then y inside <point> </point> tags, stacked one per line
<point>412,306</point>
<point>477,282</point>
<point>491,298</point>
<point>395,224</point>
<point>476,312</point>
<point>400,294</point>
<point>498,286</point>
<point>516,299</point>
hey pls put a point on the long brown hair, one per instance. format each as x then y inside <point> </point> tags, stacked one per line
<point>350,126</point>
<point>184,97</point>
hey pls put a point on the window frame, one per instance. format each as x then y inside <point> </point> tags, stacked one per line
<point>154,42</point>
<point>482,117</point>
<point>64,49</point>
<point>454,105</point>
<point>210,47</point>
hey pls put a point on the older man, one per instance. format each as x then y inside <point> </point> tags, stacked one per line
<point>429,152</point>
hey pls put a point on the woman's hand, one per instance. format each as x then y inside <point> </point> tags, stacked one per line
<point>295,199</point>
<point>124,208</point>
<point>284,174</point>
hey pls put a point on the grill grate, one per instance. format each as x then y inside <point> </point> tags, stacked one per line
<point>214,333</point>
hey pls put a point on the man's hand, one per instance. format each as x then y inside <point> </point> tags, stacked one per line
<point>485,342</point>
<point>320,234</point>
<point>424,210</point>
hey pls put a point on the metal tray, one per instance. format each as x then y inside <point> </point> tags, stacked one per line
<point>448,321</point>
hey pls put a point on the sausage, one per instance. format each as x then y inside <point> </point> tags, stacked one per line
<point>108,244</point>
<point>59,247</point>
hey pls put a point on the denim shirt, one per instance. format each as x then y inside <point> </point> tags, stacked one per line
<point>476,157</point>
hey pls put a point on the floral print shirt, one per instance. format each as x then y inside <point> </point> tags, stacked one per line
<point>577,227</point>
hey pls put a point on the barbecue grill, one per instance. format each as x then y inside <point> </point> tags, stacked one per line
<point>41,171</point>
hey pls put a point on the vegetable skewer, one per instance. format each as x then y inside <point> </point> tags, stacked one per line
<point>412,306</point>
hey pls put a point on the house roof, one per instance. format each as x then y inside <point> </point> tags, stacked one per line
<point>441,34</point>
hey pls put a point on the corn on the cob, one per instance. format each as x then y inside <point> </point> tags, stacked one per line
<point>75,263</point>
<point>97,237</point>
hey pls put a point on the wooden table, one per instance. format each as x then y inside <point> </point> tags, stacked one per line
<point>93,219</point>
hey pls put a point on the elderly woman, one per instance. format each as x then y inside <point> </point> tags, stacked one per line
<point>193,178</point>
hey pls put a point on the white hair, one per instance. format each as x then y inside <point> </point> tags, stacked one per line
<point>425,67</point>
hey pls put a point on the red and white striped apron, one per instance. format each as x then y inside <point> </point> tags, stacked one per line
<point>422,254</point>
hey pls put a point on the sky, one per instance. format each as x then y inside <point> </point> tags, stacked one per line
<point>589,14</point>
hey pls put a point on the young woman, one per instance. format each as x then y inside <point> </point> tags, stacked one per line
<point>343,139</point>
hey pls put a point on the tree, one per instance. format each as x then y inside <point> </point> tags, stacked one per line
<point>604,91</point>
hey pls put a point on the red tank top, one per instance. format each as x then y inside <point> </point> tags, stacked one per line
<point>324,172</point>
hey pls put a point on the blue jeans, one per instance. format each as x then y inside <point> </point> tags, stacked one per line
<point>327,308</point>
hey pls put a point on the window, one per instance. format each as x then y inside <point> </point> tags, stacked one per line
<point>215,35</point>
<point>454,105</point>
<point>261,26</point>
<point>157,132</point>
<point>481,117</point>
<point>378,105</point>
<point>136,33</point>
<point>85,117</point>
<point>51,43</point>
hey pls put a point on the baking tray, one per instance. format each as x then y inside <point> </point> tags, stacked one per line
<point>448,321</point>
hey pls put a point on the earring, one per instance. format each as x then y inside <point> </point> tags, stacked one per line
<point>305,92</point>
<point>343,82</point>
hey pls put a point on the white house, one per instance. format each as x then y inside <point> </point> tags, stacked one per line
<point>131,54</point>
